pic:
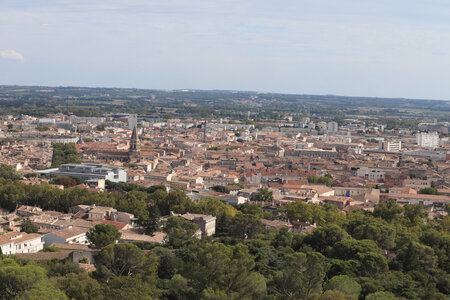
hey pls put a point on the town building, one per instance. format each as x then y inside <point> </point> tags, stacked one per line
<point>21,242</point>
<point>390,146</point>
<point>71,235</point>
<point>428,140</point>
<point>88,171</point>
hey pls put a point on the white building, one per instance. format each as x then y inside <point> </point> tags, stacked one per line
<point>428,140</point>
<point>88,171</point>
<point>332,127</point>
<point>390,146</point>
<point>132,121</point>
<point>72,235</point>
<point>21,242</point>
<point>370,173</point>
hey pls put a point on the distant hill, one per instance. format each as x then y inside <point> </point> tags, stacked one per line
<point>41,100</point>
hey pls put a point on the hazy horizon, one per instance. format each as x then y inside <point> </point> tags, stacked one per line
<point>347,47</point>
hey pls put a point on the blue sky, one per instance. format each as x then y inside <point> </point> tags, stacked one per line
<point>395,48</point>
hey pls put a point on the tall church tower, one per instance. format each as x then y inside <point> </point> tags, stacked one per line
<point>134,142</point>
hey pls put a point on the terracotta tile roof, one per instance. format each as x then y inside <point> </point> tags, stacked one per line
<point>17,237</point>
<point>70,232</point>
<point>118,225</point>
<point>69,247</point>
<point>45,255</point>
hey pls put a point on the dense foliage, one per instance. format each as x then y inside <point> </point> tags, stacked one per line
<point>391,252</point>
<point>64,154</point>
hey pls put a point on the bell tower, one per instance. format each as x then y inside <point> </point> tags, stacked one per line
<point>134,142</point>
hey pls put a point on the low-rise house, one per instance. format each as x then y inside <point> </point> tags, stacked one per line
<point>109,213</point>
<point>275,224</point>
<point>21,242</point>
<point>339,202</point>
<point>119,225</point>
<point>72,235</point>
<point>370,173</point>
<point>206,223</point>
<point>424,199</point>
<point>133,235</point>
<point>416,183</point>
<point>27,211</point>
<point>100,212</point>
<point>302,227</point>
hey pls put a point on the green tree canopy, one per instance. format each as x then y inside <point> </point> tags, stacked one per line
<point>103,235</point>
<point>8,172</point>
<point>120,260</point>
<point>344,284</point>
<point>28,227</point>
<point>301,276</point>
<point>263,195</point>
<point>179,231</point>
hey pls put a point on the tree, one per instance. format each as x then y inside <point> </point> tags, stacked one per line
<point>415,214</point>
<point>381,296</point>
<point>213,206</point>
<point>152,224</point>
<point>416,256</point>
<point>312,213</point>
<point>322,238</point>
<point>327,179</point>
<point>169,264</point>
<point>101,127</point>
<point>241,185</point>
<point>254,209</point>
<point>344,284</point>
<point>159,198</point>
<point>179,202</point>
<point>245,226</point>
<point>179,230</point>
<point>178,288</point>
<point>331,295</point>
<point>16,279</point>
<point>221,189</point>
<point>80,286</point>
<point>429,191</point>
<point>64,154</point>
<point>364,255</point>
<point>12,194</point>
<point>102,235</point>
<point>130,287</point>
<point>44,291</point>
<point>65,181</point>
<point>388,211</point>
<point>8,172</point>
<point>135,202</point>
<point>263,195</point>
<point>362,227</point>
<point>119,260</point>
<point>441,247</point>
<point>283,238</point>
<point>218,269</point>
<point>301,276</point>
<point>29,227</point>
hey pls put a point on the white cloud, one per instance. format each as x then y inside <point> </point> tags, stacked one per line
<point>11,54</point>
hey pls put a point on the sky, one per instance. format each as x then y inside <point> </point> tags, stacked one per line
<point>377,48</point>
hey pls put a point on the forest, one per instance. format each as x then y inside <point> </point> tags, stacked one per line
<point>393,252</point>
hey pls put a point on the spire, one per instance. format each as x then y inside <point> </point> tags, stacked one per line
<point>134,141</point>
